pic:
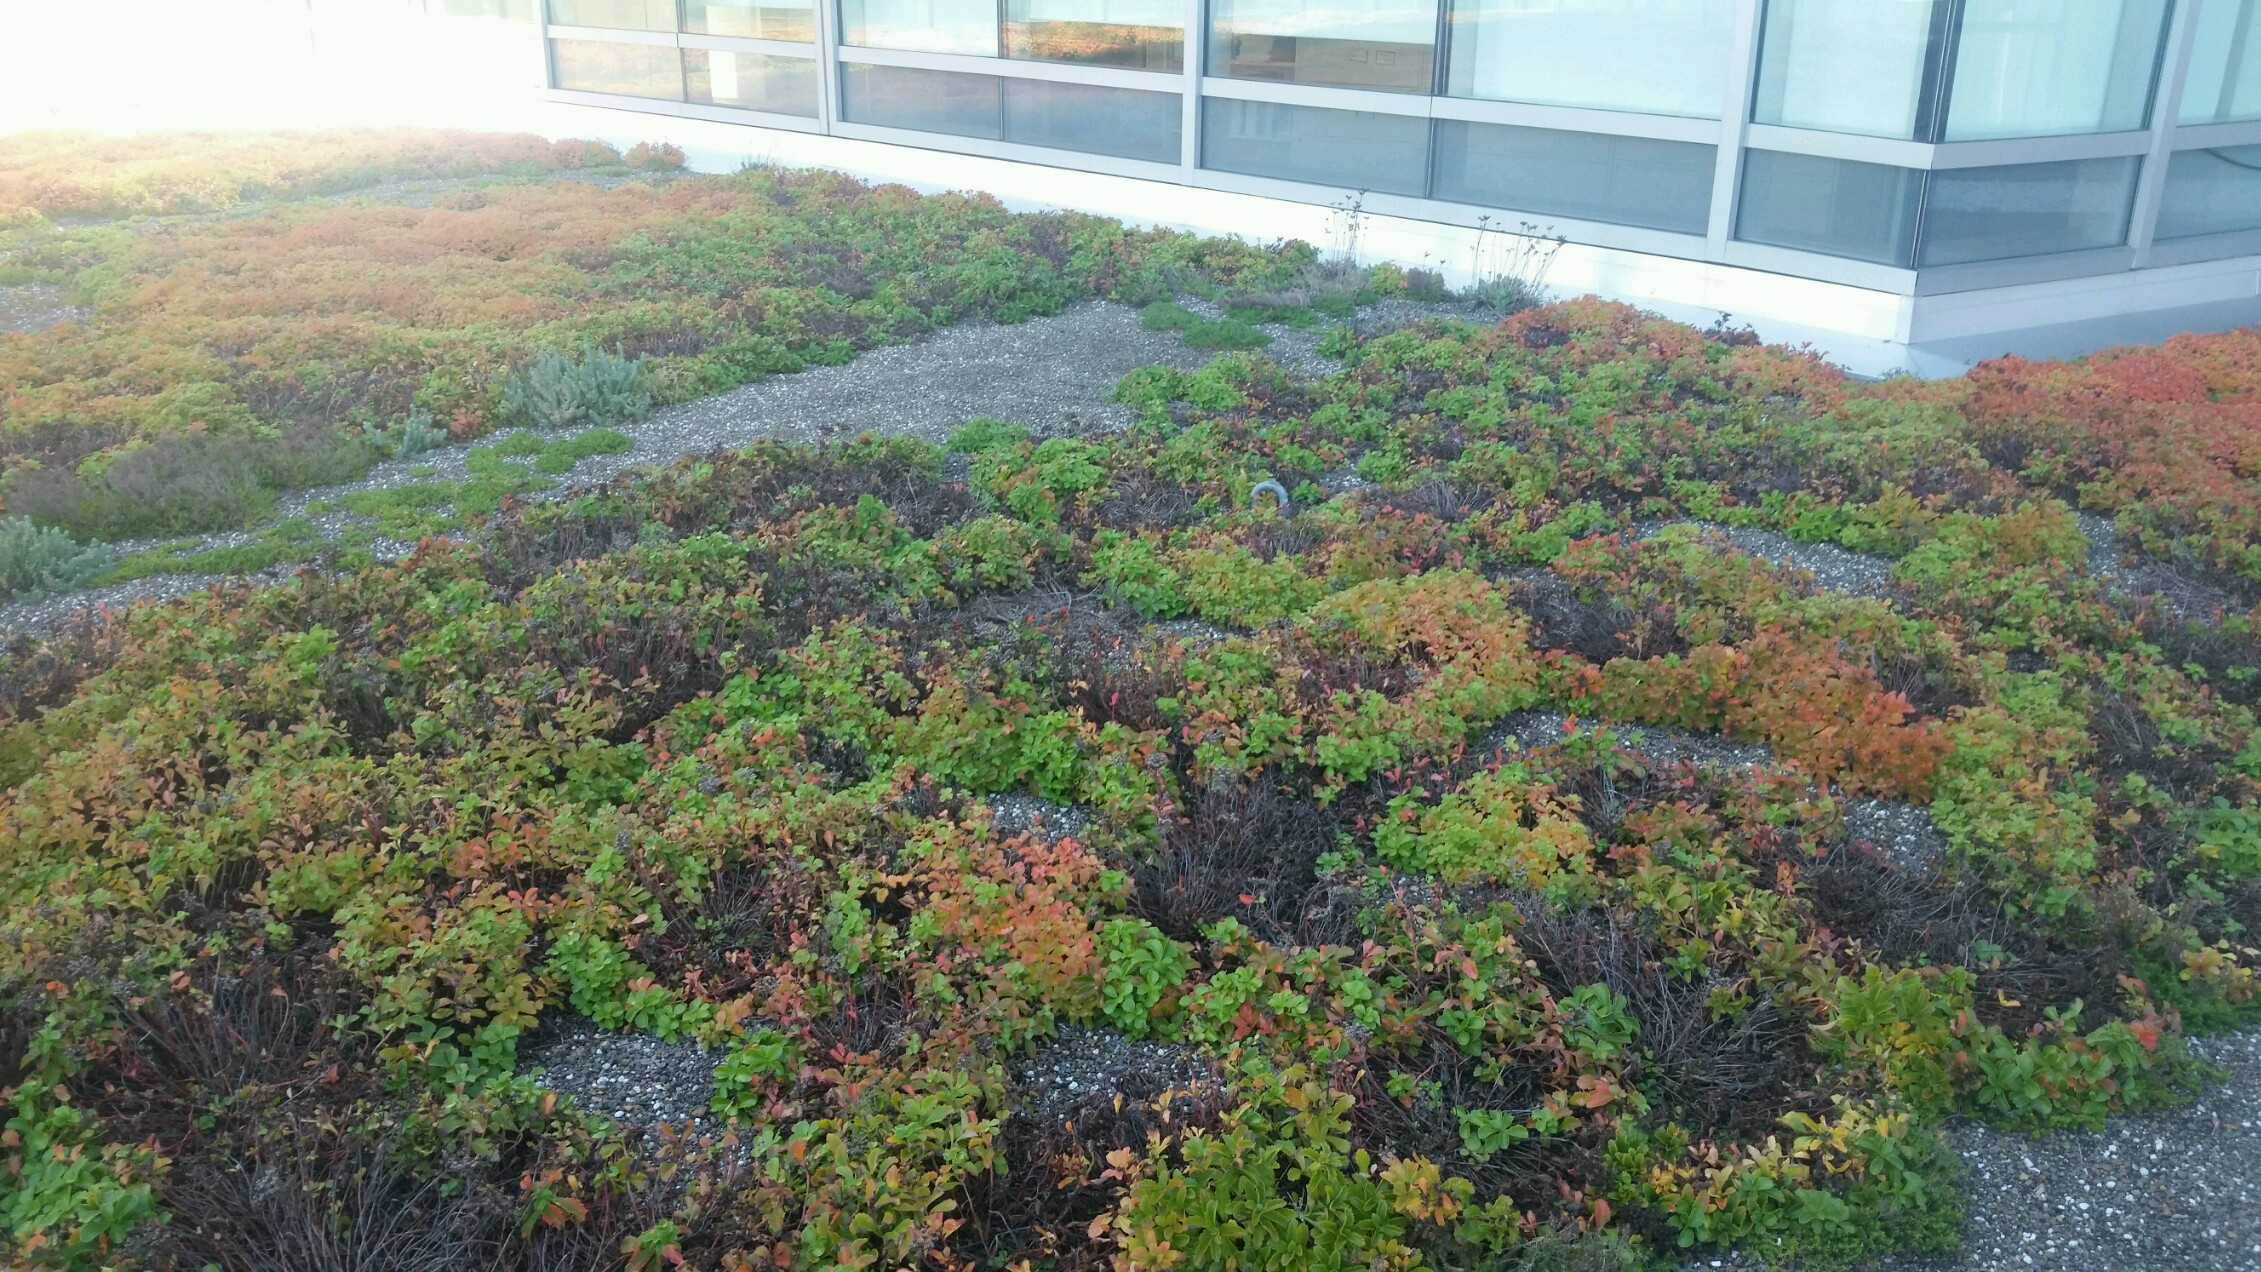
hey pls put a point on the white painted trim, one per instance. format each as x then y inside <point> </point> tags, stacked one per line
<point>610,35</point>
<point>1742,83</point>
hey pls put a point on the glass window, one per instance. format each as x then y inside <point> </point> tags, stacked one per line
<point>930,26</point>
<point>1664,185</point>
<point>2225,64</point>
<point>631,70</point>
<point>1851,66</point>
<point>1354,149</point>
<point>752,19</point>
<point>930,101</point>
<point>1352,43</point>
<point>2034,68</point>
<point>2211,192</point>
<point>1663,57</point>
<point>751,81</point>
<point>2026,209</point>
<point>1866,211</point>
<point>620,15</point>
<point>1139,35</point>
<point>1102,121</point>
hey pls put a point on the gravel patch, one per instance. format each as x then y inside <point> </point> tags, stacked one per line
<point>1529,730</point>
<point>36,307</point>
<point>1014,814</point>
<point>633,1078</point>
<point>2174,1189</point>
<point>1079,1063</point>
<point>1834,569</point>
<point>1903,831</point>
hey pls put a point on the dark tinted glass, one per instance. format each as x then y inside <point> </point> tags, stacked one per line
<point>930,101</point>
<point>631,70</point>
<point>2027,209</point>
<point>1664,185</point>
<point>1866,211</point>
<point>1354,149</point>
<point>2212,192</point>
<point>1105,121</point>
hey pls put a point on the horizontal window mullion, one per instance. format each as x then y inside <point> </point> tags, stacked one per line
<point>1836,145</point>
<point>1012,68</point>
<point>2216,136</point>
<point>1573,119</point>
<point>1996,154</point>
<point>748,44</point>
<point>615,35</point>
<point>1379,103</point>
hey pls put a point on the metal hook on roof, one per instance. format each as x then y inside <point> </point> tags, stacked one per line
<point>1276,488</point>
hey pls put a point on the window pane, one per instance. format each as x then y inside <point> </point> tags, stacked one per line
<point>931,26</point>
<point>2212,192</point>
<point>1355,149</point>
<point>1852,66</point>
<point>751,81</point>
<point>1665,57</point>
<point>1352,43</point>
<point>632,70</point>
<point>1866,211</point>
<point>2027,209</point>
<point>930,101</point>
<point>1140,35</point>
<point>2225,64</point>
<point>2032,68</point>
<point>1103,121</point>
<point>749,18</point>
<point>622,15</point>
<point>1665,185</point>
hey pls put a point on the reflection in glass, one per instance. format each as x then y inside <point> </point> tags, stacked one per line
<point>752,19</point>
<point>751,81</point>
<point>1139,35</point>
<point>2225,64</point>
<point>1850,66</point>
<point>1664,57</point>
<point>2027,209</point>
<point>631,70</point>
<point>930,101</point>
<point>1387,44</point>
<point>929,26</point>
<point>2034,68</point>
<point>1354,149</point>
<point>1103,121</point>
<point>2214,191</point>
<point>620,15</point>
<point>1664,185</point>
<point>1866,211</point>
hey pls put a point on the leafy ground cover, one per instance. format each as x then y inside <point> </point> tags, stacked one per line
<point>291,875</point>
<point>287,342</point>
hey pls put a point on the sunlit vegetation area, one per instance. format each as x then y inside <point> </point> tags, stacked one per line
<point>1480,859</point>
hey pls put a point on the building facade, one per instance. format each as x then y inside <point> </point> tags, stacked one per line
<point>1980,164</point>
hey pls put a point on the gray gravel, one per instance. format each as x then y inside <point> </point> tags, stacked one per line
<point>35,307</point>
<point>1079,1062</point>
<point>1903,831</point>
<point>632,1078</point>
<point>1014,814</point>
<point>1834,569</point>
<point>2175,1189</point>
<point>1530,730</point>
